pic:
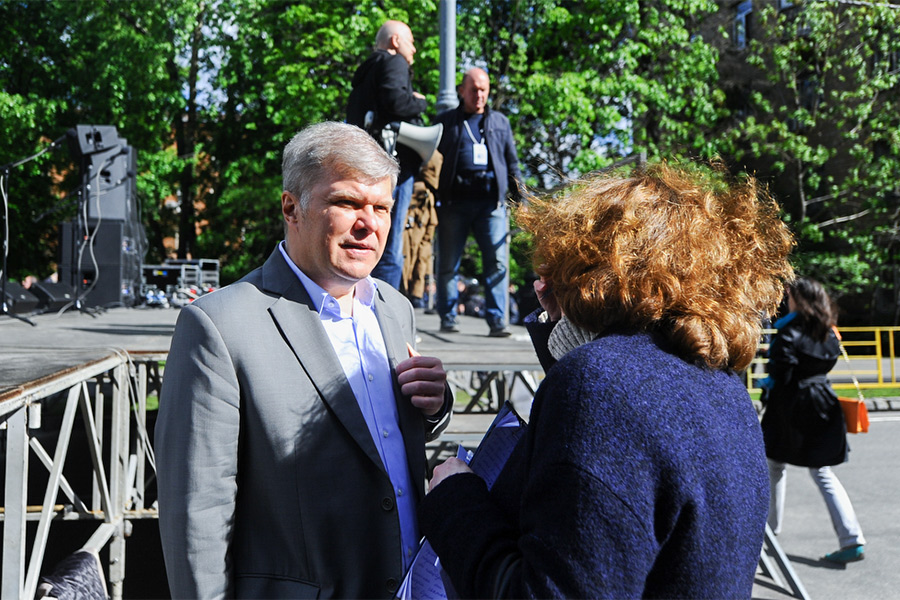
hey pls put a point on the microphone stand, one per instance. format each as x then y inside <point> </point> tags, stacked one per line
<point>4,306</point>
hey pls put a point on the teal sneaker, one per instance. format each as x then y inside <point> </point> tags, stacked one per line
<point>845,555</point>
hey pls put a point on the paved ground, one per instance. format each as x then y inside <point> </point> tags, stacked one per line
<point>872,480</point>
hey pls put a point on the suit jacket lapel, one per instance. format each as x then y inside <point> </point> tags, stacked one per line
<point>296,316</point>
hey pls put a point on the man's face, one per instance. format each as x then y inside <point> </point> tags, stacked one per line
<point>475,90</point>
<point>340,237</point>
<point>405,45</point>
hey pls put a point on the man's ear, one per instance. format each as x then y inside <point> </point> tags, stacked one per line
<point>290,207</point>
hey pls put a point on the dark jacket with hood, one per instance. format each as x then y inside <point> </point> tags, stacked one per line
<point>803,424</point>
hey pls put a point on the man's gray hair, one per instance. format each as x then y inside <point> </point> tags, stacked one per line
<point>331,148</point>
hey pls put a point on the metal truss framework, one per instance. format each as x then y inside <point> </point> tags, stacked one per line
<point>120,454</point>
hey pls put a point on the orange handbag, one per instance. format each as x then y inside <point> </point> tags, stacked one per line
<point>856,415</point>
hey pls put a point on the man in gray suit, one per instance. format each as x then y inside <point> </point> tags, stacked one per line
<point>294,411</point>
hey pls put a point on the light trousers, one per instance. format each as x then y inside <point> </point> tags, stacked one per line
<point>843,517</point>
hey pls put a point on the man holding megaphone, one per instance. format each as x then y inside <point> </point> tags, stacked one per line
<point>382,95</point>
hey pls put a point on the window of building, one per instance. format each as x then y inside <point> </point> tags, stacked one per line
<point>742,24</point>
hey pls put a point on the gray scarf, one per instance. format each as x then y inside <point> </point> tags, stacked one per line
<point>566,336</point>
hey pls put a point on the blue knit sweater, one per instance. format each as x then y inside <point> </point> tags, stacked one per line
<point>640,475</point>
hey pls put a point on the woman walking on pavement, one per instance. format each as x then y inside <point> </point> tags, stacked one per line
<point>803,423</point>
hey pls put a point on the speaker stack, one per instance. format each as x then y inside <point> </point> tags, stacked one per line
<point>100,256</point>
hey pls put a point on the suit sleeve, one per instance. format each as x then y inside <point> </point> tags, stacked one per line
<point>395,94</point>
<point>196,443</point>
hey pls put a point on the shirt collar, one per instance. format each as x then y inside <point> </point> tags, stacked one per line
<point>364,292</point>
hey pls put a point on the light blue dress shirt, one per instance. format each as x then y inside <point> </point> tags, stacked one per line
<point>358,342</point>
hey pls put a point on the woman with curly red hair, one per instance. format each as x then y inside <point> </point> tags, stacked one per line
<point>642,471</point>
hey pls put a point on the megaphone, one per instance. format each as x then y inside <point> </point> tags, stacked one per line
<point>424,140</point>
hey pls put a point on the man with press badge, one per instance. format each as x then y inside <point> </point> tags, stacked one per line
<point>480,168</point>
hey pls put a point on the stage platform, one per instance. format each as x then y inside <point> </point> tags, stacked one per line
<point>58,342</point>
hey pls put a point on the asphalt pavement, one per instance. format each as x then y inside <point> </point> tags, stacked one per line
<point>872,480</point>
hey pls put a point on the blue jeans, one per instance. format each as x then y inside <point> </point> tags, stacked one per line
<point>390,267</point>
<point>489,224</point>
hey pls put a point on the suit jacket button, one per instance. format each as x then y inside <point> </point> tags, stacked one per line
<point>387,503</point>
<point>392,585</point>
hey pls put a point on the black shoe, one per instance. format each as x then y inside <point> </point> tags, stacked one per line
<point>449,328</point>
<point>500,332</point>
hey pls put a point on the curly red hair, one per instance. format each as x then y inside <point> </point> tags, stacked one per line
<point>668,250</point>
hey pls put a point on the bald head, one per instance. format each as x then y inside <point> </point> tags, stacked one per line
<point>397,38</point>
<point>474,90</point>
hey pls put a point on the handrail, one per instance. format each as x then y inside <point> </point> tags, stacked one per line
<point>872,353</point>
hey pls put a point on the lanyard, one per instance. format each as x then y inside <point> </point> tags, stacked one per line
<point>469,131</point>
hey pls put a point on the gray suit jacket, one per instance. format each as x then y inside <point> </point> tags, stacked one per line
<point>269,482</point>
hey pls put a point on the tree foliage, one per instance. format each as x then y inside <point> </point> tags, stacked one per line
<point>209,92</point>
<point>588,82</point>
<point>820,124</point>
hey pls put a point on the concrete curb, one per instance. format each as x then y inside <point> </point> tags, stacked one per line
<point>882,404</point>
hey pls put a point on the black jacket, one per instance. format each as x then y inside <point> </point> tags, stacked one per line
<point>803,424</point>
<point>501,150</point>
<point>383,84</point>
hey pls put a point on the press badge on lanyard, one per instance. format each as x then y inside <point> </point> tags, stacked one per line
<point>479,150</point>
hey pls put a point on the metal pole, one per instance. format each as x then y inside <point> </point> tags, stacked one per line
<point>15,501</point>
<point>446,98</point>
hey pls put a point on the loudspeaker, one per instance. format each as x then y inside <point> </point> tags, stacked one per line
<point>53,296</point>
<point>87,139</point>
<point>110,262</point>
<point>18,299</point>
<point>424,140</point>
<point>109,184</point>
<point>108,172</point>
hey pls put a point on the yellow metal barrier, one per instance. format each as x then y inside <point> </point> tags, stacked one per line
<point>872,354</point>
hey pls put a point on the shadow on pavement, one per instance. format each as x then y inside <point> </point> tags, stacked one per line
<point>816,562</point>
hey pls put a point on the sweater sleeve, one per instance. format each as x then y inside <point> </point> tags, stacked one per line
<point>575,536</point>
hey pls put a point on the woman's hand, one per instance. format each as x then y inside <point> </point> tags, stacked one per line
<point>451,466</point>
<point>545,295</point>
